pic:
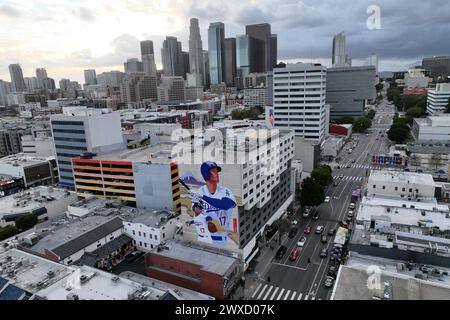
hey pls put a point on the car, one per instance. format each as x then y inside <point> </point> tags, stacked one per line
<point>351,213</point>
<point>280,253</point>
<point>307,229</point>
<point>343,224</point>
<point>332,271</point>
<point>353,161</point>
<point>324,239</point>
<point>319,229</point>
<point>335,183</point>
<point>301,242</point>
<point>341,176</point>
<point>348,165</point>
<point>329,282</point>
<point>332,231</point>
<point>327,199</point>
<point>294,254</point>
<point>324,253</point>
<point>293,232</point>
<point>133,256</point>
<point>294,222</point>
<point>335,258</point>
<point>352,206</point>
<point>316,215</point>
<point>348,219</point>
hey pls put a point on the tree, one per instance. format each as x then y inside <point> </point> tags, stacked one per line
<point>436,161</point>
<point>26,222</point>
<point>447,109</point>
<point>398,133</point>
<point>371,114</point>
<point>415,112</point>
<point>345,120</point>
<point>8,232</point>
<point>379,87</point>
<point>361,124</point>
<point>322,175</point>
<point>312,193</point>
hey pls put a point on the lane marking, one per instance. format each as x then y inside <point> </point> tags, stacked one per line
<point>257,288</point>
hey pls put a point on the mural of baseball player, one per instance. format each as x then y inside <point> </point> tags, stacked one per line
<point>200,223</point>
<point>216,203</point>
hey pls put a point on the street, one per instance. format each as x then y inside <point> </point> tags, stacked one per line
<point>300,280</point>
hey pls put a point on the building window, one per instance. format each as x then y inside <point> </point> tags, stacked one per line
<point>134,233</point>
<point>384,187</point>
<point>98,245</point>
<point>396,188</point>
<point>150,235</point>
<point>156,237</point>
<point>374,186</point>
<point>145,244</point>
<point>410,190</point>
<point>140,243</point>
<point>139,233</point>
<point>164,235</point>
<point>144,235</point>
<point>403,189</point>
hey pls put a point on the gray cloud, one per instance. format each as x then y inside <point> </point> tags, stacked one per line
<point>9,11</point>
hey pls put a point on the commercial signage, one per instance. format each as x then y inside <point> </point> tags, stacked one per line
<point>388,160</point>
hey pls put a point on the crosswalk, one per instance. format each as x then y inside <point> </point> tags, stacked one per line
<point>358,166</point>
<point>264,291</point>
<point>348,178</point>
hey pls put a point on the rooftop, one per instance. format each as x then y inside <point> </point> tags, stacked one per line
<point>352,280</point>
<point>434,121</point>
<point>210,262</point>
<point>400,177</point>
<point>21,160</point>
<point>159,153</point>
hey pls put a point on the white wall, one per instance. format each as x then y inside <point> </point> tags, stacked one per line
<point>103,130</point>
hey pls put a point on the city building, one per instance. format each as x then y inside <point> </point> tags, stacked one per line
<point>437,99</point>
<point>48,203</point>
<point>90,77</point>
<point>172,57</point>
<point>407,185</point>
<point>133,65</point>
<point>41,74</point>
<point>194,93</point>
<point>10,185</point>
<point>372,60</point>
<point>193,268</point>
<point>148,58</point>
<point>196,62</point>
<point>216,52</point>
<point>31,83</point>
<point>34,170</point>
<point>349,89</point>
<point>137,87</point>
<point>243,56</point>
<point>10,139</point>
<point>81,131</point>
<point>344,130</point>
<point>5,89</point>
<point>432,158</point>
<point>207,75</point>
<point>230,62</point>
<point>274,50</point>
<point>339,55</point>
<point>439,67</point>
<point>171,89</point>
<point>299,92</point>
<point>39,143</point>
<point>255,97</point>
<point>17,81</point>
<point>111,78</point>
<point>261,49</point>
<point>186,66</point>
<point>416,78</point>
<point>432,128</point>
<point>49,84</point>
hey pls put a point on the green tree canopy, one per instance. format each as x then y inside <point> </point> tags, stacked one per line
<point>345,120</point>
<point>8,232</point>
<point>361,124</point>
<point>379,87</point>
<point>371,114</point>
<point>247,113</point>
<point>398,133</point>
<point>415,112</point>
<point>323,175</point>
<point>26,222</point>
<point>312,193</point>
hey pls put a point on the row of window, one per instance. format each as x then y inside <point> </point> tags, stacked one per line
<point>396,188</point>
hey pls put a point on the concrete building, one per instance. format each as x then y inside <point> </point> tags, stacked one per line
<point>47,203</point>
<point>344,130</point>
<point>137,87</point>
<point>416,78</point>
<point>33,170</point>
<point>171,89</point>
<point>133,65</point>
<point>196,62</point>
<point>172,57</point>
<point>339,55</point>
<point>439,67</point>
<point>437,99</point>
<point>230,62</point>
<point>148,58</point>
<point>194,93</point>
<point>17,81</point>
<point>207,75</point>
<point>31,83</point>
<point>372,60</point>
<point>193,268</point>
<point>255,97</point>
<point>10,140</point>
<point>216,52</point>
<point>274,50</point>
<point>400,184</point>
<point>39,143</point>
<point>243,56</point>
<point>90,77</point>
<point>41,74</point>
<point>432,129</point>
<point>49,84</point>
<point>81,131</point>
<point>299,100</point>
<point>111,78</point>
<point>261,52</point>
<point>5,89</point>
<point>349,89</point>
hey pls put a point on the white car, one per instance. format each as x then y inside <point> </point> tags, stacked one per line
<point>301,242</point>
<point>294,222</point>
<point>327,199</point>
<point>319,230</point>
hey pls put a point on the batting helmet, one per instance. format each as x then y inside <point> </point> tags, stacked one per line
<point>206,167</point>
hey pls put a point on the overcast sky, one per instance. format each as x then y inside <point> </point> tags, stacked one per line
<point>67,36</point>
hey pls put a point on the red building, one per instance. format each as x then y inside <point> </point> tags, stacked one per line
<point>341,129</point>
<point>202,271</point>
<point>417,91</point>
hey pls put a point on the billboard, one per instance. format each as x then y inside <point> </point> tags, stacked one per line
<point>209,204</point>
<point>270,119</point>
<point>388,160</point>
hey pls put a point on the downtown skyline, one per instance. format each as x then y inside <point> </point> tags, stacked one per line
<point>77,35</point>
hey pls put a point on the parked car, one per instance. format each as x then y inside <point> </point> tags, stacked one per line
<point>324,253</point>
<point>335,183</point>
<point>351,213</point>
<point>307,229</point>
<point>301,242</point>
<point>327,199</point>
<point>319,229</point>
<point>294,254</point>
<point>329,282</point>
<point>332,231</point>
<point>352,205</point>
<point>349,219</point>
<point>324,239</point>
<point>280,253</point>
<point>316,215</point>
<point>332,271</point>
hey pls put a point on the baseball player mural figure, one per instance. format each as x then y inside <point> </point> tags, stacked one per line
<point>216,204</point>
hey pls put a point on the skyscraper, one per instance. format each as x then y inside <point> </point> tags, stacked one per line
<point>148,58</point>
<point>186,66</point>
<point>261,46</point>
<point>206,76</point>
<point>5,88</point>
<point>172,57</point>
<point>230,62</point>
<point>372,60</point>
<point>274,49</point>
<point>243,55</point>
<point>41,74</point>
<point>31,83</point>
<point>49,84</point>
<point>133,65</point>
<point>90,77</point>
<point>146,47</point>
<point>17,82</point>
<point>196,53</point>
<point>339,58</point>
<point>137,87</point>
<point>216,52</point>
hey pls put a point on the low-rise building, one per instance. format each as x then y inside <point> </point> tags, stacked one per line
<point>344,130</point>
<point>255,97</point>
<point>432,129</point>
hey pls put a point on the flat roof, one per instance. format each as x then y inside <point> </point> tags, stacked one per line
<point>210,261</point>
<point>158,153</point>
<point>23,160</point>
<point>435,214</point>
<point>400,177</point>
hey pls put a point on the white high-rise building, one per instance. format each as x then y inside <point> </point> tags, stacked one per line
<point>372,60</point>
<point>196,53</point>
<point>148,58</point>
<point>340,58</point>
<point>5,88</point>
<point>299,100</point>
<point>437,99</point>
